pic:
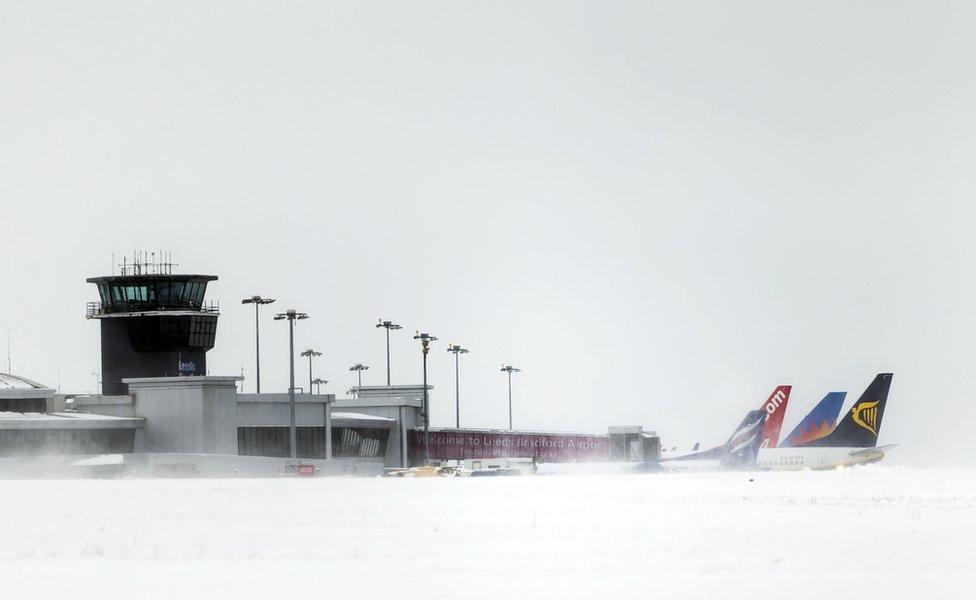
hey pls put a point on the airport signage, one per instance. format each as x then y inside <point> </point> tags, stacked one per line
<point>300,469</point>
<point>544,447</point>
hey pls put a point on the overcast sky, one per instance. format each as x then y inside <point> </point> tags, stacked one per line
<point>658,210</point>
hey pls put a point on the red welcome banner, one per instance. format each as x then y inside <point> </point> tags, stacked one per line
<point>460,444</point>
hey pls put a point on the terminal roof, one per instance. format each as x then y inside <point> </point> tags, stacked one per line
<point>16,382</point>
<point>10,383</point>
<point>66,420</point>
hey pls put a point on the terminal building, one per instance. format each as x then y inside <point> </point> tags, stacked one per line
<point>207,414</point>
<point>33,421</point>
<point>158,401</point>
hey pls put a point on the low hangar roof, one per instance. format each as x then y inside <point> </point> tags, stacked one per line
<point>15,386</point>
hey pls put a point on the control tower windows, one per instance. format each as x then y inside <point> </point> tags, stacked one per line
<point>202,332</point>
<point>140,293</point>
<point>170,293</point>
<point>128,297</point>
<point>193,294</point>
<point>152,295</point>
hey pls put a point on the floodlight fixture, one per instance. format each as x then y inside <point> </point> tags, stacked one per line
<point>389,326</point>
<point>425,340</point>
<point>510,369</point>
<point>359,368</point>
<point>258,302</point>
<point>310,354</point>
<point>457,351</point>
<point>292,315</point>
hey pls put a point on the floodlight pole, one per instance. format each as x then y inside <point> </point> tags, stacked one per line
<point>257,349</point>
<point>257,301</point>
<point>359,368</point>
<point>510,426</point>
<point>310,353</point>
<point>510,369</point>
<point>292,316</point>
<point>425,340</point>
<point>457,350</point>
<point>292,437</point>
<point>388,325</point>
<point>457,391</point>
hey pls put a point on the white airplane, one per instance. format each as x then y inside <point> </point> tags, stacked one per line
<point>775,409</point>
<point>794,459</point>
<point>739,452</point>
<point>853,442</point>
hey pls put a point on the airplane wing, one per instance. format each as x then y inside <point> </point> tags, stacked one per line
<point>866,452</point>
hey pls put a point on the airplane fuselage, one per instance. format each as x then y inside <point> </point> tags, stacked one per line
<point>794,459</point>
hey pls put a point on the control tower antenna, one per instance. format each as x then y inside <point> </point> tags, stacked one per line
<point>146,262</point>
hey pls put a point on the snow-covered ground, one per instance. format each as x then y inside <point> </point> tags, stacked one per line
<point>873,532</point>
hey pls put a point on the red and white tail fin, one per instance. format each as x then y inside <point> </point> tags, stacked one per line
<point>775,407</point>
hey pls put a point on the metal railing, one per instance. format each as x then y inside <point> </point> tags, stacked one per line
<point>99,309</point>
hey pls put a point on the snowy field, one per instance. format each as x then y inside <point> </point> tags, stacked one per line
<point>873,532</point>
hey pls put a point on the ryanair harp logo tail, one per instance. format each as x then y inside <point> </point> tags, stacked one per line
<point>865,414</point>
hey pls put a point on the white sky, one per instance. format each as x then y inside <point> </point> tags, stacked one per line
<point>659,210</point>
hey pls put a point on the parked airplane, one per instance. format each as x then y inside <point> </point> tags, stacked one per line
<point>739,452</point>
<point>775,409</point>
<point>742,449</point>
<point>853,442</point>
<point>818,423</point>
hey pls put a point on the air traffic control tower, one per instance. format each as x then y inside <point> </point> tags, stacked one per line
<point>154,323</point>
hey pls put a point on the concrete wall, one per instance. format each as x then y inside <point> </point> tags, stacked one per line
<point>182,465</point>
<point>271,410</point>
<point>186,414</point>
<point>176,466</point>
<point>38,442</point>
<point>113,406</point>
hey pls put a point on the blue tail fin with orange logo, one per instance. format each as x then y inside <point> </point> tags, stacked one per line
<point>818,423</point>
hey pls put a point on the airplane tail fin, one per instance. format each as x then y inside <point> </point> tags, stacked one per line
<point>818,423</point>
<point>742,449</point>
<point>775,408</point>
<point>860,427</point>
